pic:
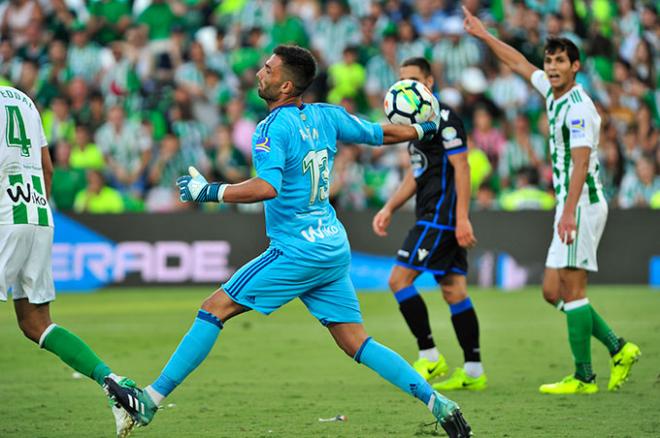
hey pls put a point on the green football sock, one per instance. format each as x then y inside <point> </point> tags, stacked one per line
<point>604,333</point>
<point>74,352</point>
<point>580,322</point>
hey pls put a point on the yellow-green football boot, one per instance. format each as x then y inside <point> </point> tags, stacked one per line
<point>569,385</point>
<point>430,370</point>
<point>621,363</point>
<point>461,380</point>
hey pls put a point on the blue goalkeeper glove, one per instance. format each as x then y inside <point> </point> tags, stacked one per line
<point>194,187</point>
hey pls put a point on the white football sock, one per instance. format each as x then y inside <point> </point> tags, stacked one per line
<point>473,369</point>
<point>156,396</point>
<point>431,354</point>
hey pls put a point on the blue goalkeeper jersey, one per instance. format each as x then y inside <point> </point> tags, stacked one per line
<point>293,149</point>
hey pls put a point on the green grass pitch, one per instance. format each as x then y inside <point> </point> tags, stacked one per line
<point>275,376</point>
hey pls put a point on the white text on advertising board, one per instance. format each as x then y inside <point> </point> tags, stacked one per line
<point>158,262</point>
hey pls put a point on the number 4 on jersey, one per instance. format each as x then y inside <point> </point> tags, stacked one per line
<point>15,131</point>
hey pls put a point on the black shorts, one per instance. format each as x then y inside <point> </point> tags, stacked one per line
<point>433,248</point>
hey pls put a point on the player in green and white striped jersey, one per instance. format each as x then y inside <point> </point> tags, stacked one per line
<point>26,238</point>
<point>581,207</point>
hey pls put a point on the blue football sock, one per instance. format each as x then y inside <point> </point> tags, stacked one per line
<point>394,369</point>
<point>192,350</point>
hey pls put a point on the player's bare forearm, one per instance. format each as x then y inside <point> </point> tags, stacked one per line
<point>580,158</point>
<point>462,182</point>
<point>515,60</point>
<point>405,191</point>
<point>246,192</point>
<point>398,133</point>
<point>47,168</point>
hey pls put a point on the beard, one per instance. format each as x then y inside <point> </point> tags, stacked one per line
<point>267,94</point>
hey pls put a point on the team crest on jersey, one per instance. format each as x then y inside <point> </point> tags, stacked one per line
<point>262,144</point>
<point>449,133</point>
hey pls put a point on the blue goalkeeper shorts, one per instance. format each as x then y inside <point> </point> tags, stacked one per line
<point>271,280</point>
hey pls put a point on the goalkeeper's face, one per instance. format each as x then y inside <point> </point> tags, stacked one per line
<point>270,80</point>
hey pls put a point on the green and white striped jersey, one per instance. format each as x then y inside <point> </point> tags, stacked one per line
<point>574,122</point>
<point>22,189</point>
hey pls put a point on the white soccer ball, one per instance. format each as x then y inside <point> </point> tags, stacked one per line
<point>408,102</point>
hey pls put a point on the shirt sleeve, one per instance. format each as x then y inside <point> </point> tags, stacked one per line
<point>269,144</point>
<point>580,127</point>
<point>453,136</point>
<point>541,82</point>
<point>351,129</point>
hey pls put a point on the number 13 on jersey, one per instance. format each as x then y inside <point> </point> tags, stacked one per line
<point>316,163</point>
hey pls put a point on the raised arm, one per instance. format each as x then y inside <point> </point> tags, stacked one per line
<point>194,187</point>
<point>504,52</point>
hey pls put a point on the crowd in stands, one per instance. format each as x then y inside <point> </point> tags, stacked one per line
<point>133,92</point>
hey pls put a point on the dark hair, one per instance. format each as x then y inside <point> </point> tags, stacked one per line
<point>420,62</point>
<point>560,44</point>
<point>299,64</point>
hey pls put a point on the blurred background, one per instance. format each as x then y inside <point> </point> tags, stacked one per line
<point>133,92</point>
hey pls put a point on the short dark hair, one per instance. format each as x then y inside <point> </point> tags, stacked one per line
<point>299,64</point>
<point>560,44</point>
<point>420,62</point>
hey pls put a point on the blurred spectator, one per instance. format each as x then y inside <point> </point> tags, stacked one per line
<point>455,52</point>
<point>430,19</point>
<point>333,32</point>
<point>286,28</point>
<point>109,19</point>
<point>346,77</point>
<point>509,91</point>
<point>98,198</point>
<point>524,149</point>
<point>17,18</point>
<point>54,76</point>
<point>34,47</point>
<point>637,188</point>
<point>159,18</point>
<point>527,195</point>
<point>242,127</point>
<point>57,121</point>
<point>410,45</point>
<point>487,137</point>
<point>229,164</point>
<point>382,72</point>
<point>168,164</point>
<point>85,154</point>
<point>126,149</point>
<point>10,65</point>
<point>60,20</point>
<point>67,181</point>
<point>612,167</point>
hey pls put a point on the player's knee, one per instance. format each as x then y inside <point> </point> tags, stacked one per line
<point>397,282</point>
<point>453,296</point>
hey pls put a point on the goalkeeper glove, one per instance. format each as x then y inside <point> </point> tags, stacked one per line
<point>194,187</point>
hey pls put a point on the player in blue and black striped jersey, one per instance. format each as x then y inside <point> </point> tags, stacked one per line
<point>309,255</point>
<point>439,177</point>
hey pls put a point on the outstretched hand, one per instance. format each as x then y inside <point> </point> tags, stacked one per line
<point>473,25</point>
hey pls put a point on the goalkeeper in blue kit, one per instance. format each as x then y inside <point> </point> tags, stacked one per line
<point>309,254</point>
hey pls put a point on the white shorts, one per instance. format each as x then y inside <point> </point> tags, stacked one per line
<point>25,263</point>
<point>581,254</point>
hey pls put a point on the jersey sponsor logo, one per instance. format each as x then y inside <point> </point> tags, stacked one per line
<point>262,144</point>
<point>422,253</point>
<point>577,128</point>
<point>23,193</point>
<point>320,232</point>
<point>444,114</point>
<point>418,161</point>
<point>453,143</point>
<point>449,133</point>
